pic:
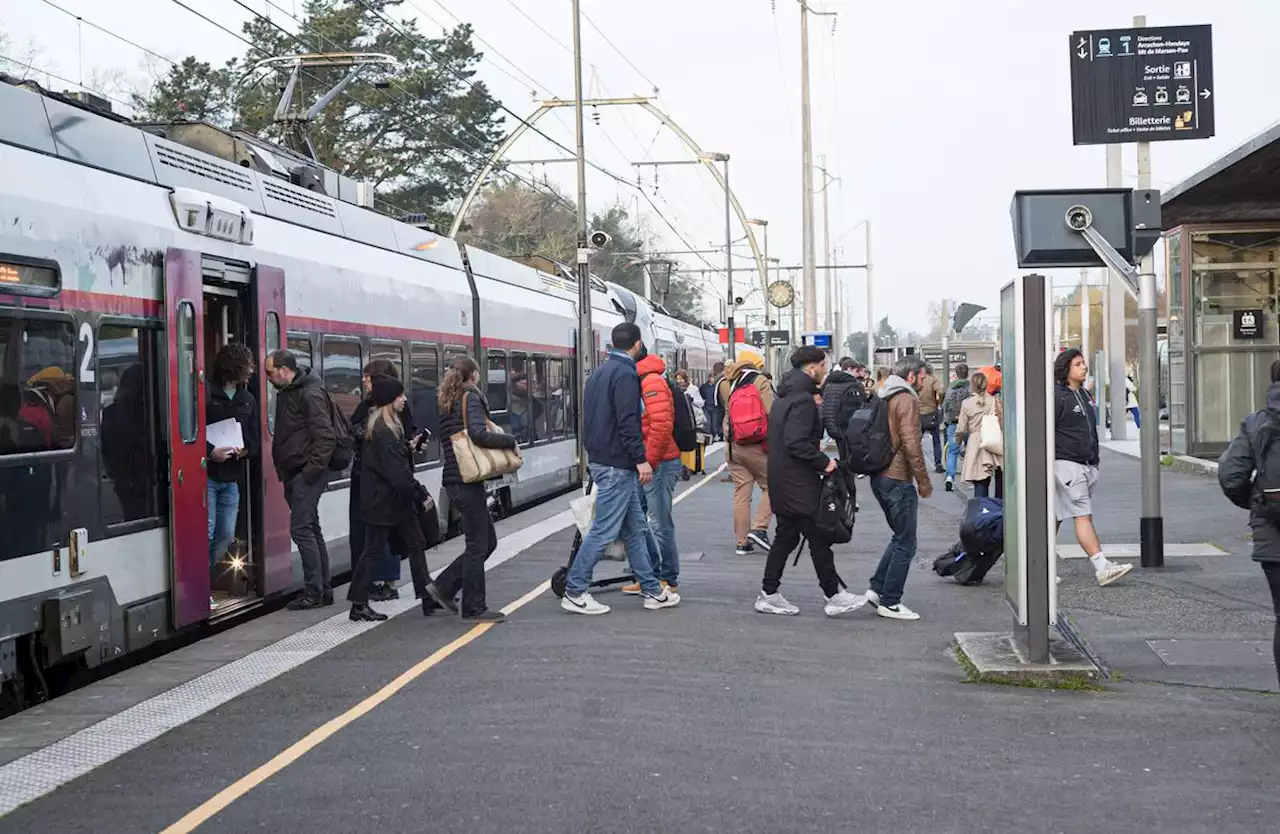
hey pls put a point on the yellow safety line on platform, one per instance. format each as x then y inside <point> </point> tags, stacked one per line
<point>223,798</point>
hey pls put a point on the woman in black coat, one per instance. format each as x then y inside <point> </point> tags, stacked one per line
<point>389,497</point>
<point>464,408</point>
<point>386,573</point>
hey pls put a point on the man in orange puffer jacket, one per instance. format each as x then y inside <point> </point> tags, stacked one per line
<point>658,422</point>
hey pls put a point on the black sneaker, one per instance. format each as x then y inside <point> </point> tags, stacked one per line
<point>939,468</point>
<point>364,613</point>
<point>383,591</point>
<point>950,485</point>
<point>744,549</point>
<point>485,616</point>
<point>759,537</point>
<point>304,603</point>
<point>327,599</point>
<point>437,595</point>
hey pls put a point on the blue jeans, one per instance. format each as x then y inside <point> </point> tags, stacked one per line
<point>658,495</point>
<point>618,514</point>
<point>953,451</point>
<point>901,504</point>
<point>1137,416</point>
<point>937,444</point>
<point>224,506</point>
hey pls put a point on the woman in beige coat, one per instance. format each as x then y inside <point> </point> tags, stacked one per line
<point>980,465</point>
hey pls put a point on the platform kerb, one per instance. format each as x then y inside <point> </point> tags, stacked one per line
<point>1002,658</point>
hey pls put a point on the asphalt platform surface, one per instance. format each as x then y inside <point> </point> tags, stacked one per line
<point>707,717</point>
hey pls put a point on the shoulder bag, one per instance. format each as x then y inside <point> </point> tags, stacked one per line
<point>478,463</point>
<point>990,434</point>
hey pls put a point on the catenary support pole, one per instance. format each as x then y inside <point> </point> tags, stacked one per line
<point>1115,324</point>
<point>809,258</point>
<point>728,258</point>
<point>586,335</point>
<point>871,318</point>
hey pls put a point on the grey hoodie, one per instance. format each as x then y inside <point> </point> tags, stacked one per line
<point>894,384</point>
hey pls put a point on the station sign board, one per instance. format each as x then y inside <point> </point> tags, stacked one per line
<point>770,338</point>
<point>1142,85</point>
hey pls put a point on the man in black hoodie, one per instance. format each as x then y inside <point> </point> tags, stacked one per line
<point>1075,464</point>
<point>1246,468</point>
<point>796,468</point>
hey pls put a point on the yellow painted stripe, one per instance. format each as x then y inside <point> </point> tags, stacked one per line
<point>223,798</point>
<point>298,749</point>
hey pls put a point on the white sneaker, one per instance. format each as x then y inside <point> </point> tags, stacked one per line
<point>1112,572</point>
<point>873,597</point>
<point>775,604</point>
<point>896,612</point>
<point>584,604</point>
<point>668,599</point>
<point>842,602</point>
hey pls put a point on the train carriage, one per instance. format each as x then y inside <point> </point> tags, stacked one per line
<point>127,260</point>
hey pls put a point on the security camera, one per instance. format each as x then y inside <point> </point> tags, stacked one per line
<point>1079,218</point>
<point>600,239</point>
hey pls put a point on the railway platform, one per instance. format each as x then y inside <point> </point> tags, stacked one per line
<point>706,717</point>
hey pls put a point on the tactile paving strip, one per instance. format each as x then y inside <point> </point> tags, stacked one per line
<point>36,774</point>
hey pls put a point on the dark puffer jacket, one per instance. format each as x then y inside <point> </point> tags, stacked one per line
<point>304,437</point>
<point>387,485</point>
<point>1236,476</point>
<point>796,460</point>
<point>841,396</point>
<point>477,427</point>
<point>359,426</point>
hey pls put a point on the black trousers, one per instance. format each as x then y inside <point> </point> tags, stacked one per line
<point>785,540</point>
<point>407,538</point>
<point>466,573</point>
<point>1272,571</point>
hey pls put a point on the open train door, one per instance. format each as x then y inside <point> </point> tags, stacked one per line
<point>268,289</point>
<point>188,491</point>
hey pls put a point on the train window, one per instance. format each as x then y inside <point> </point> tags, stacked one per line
<point>342,366</point>
<point>556,397</point>
<point>570,397</point>
<point>188,381</point>
<point>128,365</point>
<point>390,351</point>
<point>424,370</point>
<point>541,422</point>
<point>452,352</point>
<point>496,390</point>
<point>25,276</point>
<point>300,346</point>
<point>273,344</point>
<point>37,395</point>
<point>520,399</point>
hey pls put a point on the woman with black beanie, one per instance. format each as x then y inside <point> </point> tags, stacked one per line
<point>388,498</point>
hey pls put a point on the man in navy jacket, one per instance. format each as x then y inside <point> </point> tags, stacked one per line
<point>614,443</point>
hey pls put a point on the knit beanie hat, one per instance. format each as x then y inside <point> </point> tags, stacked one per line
<point>385,390</point>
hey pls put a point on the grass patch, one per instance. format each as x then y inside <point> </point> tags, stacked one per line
<point>1070,683</point>
<point>1167,460</point>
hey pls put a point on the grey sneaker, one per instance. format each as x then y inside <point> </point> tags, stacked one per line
<point>775,604</point>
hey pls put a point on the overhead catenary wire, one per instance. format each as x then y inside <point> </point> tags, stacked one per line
<point>105,31</point>
<point>614,47</point>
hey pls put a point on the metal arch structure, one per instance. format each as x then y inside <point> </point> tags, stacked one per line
<point>546,107</point>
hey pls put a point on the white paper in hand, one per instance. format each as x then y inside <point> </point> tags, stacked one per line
<point>225,434</point>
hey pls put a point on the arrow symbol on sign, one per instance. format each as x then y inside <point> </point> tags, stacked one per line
<point>1083,54</point>
<point>1204,94</point>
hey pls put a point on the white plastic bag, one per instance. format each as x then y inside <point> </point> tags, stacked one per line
<point>584,512</point>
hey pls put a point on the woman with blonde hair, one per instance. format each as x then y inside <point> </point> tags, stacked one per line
<point>389,499</point>
<point>981,465</point>
<point>463,407</point>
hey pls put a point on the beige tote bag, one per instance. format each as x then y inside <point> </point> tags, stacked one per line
<point>477,463</point>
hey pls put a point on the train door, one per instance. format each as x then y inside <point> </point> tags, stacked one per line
<point>189,517</point>
<point>277,560</point>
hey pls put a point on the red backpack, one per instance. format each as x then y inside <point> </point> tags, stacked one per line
<point>748,421</point>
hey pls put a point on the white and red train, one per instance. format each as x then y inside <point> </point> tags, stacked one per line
<point>128,257</point>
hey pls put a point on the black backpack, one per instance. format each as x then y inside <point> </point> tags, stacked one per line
<point>836,508</point>
<point>344,443</point>
<point>867,440</point>
<point>686,429</point>
<point>1266,482</point>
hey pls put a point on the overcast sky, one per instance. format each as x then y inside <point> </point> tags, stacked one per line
<point>931,113</point>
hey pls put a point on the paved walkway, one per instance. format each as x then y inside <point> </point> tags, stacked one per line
<point>708,717</point>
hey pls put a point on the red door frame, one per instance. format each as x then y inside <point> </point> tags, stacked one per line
<point>277,549</point>
<point>188,491</point>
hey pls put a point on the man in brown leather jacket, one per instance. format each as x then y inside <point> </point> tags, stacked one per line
<point>895,490</point>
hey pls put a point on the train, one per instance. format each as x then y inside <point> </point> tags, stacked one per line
<point>129,255</point>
